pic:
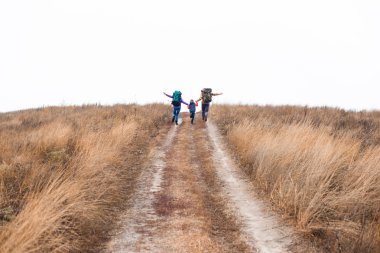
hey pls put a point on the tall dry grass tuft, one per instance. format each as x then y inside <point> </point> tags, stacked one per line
<point>323,173</point>
<point>64,172</point>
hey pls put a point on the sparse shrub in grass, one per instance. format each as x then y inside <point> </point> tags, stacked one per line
<point>64,171</point>
<point>319,166</point>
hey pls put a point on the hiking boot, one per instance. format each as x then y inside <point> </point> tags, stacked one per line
<point>176,122</point>
<point>173,119</point>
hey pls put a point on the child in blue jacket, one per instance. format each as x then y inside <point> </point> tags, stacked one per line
<point>192,107</point>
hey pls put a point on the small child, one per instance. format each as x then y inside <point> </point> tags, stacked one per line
<point>192,107</point>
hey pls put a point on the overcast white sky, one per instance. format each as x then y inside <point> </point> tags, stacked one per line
<point>324,52</point>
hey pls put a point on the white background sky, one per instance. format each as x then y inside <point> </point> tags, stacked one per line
<point>316,53</point>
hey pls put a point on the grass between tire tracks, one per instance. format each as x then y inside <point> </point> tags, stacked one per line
<point>191,201</point>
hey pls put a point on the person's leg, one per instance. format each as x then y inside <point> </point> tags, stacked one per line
<point>203,111</point>
<point>206,107</point>
<point>176,113</point>
<point>173,118</point>
<point>192,116</point>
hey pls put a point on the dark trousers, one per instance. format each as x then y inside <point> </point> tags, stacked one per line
<point>205,108</point>
<point>176,110</point>
<point>192,117</point>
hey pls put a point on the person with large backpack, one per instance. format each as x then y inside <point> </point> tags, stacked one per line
<point>176,102</point>
<point>206,97</point>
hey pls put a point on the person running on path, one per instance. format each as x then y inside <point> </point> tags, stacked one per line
<point>176,102</point>
<point>192,108</point>
<point>206,97</point>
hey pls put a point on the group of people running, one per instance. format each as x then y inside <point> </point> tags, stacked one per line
<point>206,98</point>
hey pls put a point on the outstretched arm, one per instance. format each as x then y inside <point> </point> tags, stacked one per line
<point>168,95</point>
<point>183,102</point>
<point>217,94</point>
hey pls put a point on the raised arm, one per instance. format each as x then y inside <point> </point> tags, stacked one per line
<point>167,95</point>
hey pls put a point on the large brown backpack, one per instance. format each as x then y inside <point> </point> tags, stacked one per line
<point>207,95</point>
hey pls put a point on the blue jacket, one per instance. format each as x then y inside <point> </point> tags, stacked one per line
<point>192,107</point>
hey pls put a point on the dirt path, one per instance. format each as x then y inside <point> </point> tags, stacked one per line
<point>192,198</point>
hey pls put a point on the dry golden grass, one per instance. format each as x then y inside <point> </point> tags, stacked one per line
<point>320,166</point>
<point>63,173</point>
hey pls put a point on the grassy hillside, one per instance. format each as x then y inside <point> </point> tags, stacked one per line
<point>63,173</point>
<point>320,166</point>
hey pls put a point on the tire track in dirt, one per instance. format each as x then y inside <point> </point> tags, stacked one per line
<point>260,225</point>
<point>225,228</point>
<point>139,221</point>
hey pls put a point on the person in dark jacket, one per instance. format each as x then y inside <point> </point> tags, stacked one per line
<point>192,108</point>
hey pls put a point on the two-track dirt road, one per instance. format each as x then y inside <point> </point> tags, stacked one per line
<point>193,198</point>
